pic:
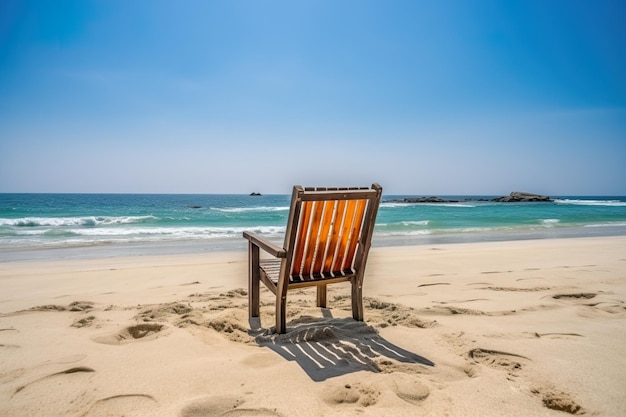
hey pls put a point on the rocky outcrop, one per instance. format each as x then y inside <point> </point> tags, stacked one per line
<point>255,194</point>
<point>432,199</point>
<point>519,197</point>
<point>514,197</point>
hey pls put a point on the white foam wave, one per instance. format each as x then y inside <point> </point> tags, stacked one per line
<point>121,235</point>
<point>248,209</point>
<point>614,224</point>
<point>415,223</point>
<point>611,203</point>
<point>403,233</point>
<point>72,221</point>
<point>550,222</point>
<point>461,205</point>
<point>179,232</point>
<point>477,229</point>
<point>412,232</point>
<point>393,205</point>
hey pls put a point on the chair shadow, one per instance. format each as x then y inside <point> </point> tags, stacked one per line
<point>328,347</point>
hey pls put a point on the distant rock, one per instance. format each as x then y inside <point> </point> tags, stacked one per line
<point>520,197</point>
<point>194,207</point>
<point>514,197</point>
<point>432,199</point>
<point>255,194</point>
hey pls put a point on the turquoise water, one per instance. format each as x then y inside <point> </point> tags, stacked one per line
<point>150,223</point>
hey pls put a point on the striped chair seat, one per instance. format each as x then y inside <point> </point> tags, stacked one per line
<point>271,268</point>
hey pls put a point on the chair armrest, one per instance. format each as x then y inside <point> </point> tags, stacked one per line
<point>268,247</point>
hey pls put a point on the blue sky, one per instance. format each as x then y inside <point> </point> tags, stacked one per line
<point>424,97</point>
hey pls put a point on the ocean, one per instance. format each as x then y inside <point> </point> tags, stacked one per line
<point>57,226</point>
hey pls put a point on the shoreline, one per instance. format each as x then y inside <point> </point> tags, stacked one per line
<point>179,247</point>
<point>78,226</point>
<point>517,328</point>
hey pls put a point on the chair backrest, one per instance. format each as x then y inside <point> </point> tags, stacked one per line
<point>330,230</point>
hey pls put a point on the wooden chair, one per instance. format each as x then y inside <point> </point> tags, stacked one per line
<point>328,237</point>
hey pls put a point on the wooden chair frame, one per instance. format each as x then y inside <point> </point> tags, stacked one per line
<point>328,237</point>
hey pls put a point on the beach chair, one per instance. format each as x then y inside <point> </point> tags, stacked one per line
<point>327,240</point>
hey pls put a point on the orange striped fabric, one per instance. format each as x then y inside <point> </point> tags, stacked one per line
<point>327,238</point>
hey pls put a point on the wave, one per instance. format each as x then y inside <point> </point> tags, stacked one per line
<point>165,232</point>
<point>424,232</point>
<point>73,221</point>
<point>610,203</point>
<point>393,205</point>
<point>612,224</point>
<point>399,233</point>
<point>550,222</point>
<point>461,205</point>
<point>82,237</point>
<point>190,232</point>
<point>415,223</point>
<point>248,209</point>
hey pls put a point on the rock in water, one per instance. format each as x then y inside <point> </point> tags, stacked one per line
<point>518,196</point>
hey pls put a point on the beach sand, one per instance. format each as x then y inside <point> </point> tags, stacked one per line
<point>524,328</point>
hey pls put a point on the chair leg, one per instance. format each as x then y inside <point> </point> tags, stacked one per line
<point>281,313</point>
<point>357,300</point>
<point>253,280</point>
<point>321,296</point>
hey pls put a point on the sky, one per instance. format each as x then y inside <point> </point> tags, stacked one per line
<point>466,97</point>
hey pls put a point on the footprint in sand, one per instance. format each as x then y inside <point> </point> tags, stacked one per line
<point>48,307</point>
<point>516,289</point>
<point>609,308</point>
<point>84,322</point>
<point>432,284</point>
<point>74,306</point>
<point>384,314</point>
<point>556,335</point>
<point>406,386</point>
<point>223,407</point>
<point>120,405</point>
<point>576,296</point>
<point>144,331</point>
<point>390,366</point>
<point>557,400</point>
<point>71,371</point>
<point>163,311</point>
<point>512,363</point>
<point>231,324</point>
<point>446,310</point>
<point>351,393</point>
<point>409,388</point>
<point>80,306</point>
<point>498,360</point>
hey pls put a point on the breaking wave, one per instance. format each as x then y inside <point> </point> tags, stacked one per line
<point>249,209</point>
<point>609,203</point>
<point>74,221</point>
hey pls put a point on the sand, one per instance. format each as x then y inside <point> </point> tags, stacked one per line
<point>524,328</point>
